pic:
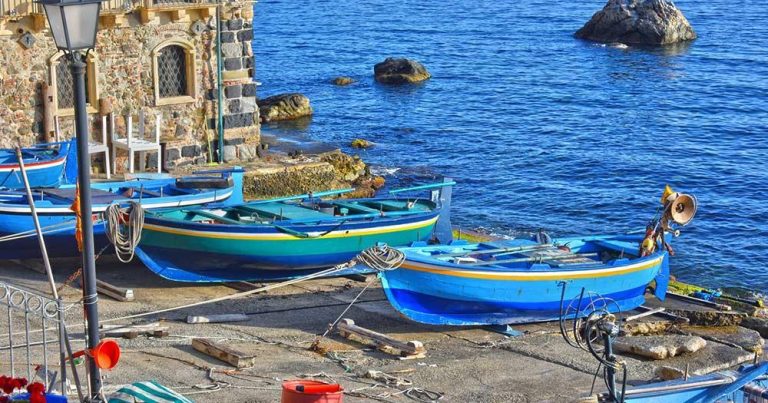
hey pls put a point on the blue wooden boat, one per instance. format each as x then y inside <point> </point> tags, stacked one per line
<point>18,239</point>
<point>520,280</point>
<point>280,238</point>
<point>47,165</point>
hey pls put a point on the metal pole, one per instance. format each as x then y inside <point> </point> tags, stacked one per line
<point>90,296</point>
<point>220,87</point>
<point>36,221</point>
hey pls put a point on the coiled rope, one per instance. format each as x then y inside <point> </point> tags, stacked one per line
<point>125,237</point>
<point>381,258</point>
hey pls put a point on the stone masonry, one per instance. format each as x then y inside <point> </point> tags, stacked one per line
<point>125,78</point>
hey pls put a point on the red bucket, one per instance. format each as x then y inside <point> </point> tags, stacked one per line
<point>304,391</point>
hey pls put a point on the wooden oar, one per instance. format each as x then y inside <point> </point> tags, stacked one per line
<point>532,259</point>
<point>423,187</point>
<point>499,251</point>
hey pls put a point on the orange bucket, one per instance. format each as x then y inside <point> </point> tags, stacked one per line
<point>305,391</point>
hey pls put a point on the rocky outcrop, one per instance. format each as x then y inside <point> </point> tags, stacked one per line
<point>638,22</point>
<point>284,107</point>
<point>659,347</point>
<point>400,71</point>
<point>343,81</point>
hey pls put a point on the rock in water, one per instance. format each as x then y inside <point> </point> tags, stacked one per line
<point>284,107</point>
<point>638,22</point>
<point>400,71</point>
<point>343,81</point>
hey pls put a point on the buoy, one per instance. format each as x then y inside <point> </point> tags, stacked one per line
<point>106,354</point>
<point>306,391</point>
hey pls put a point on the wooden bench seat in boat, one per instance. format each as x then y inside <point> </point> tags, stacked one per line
<point>627,248</point>
<point>355,207</point>
<point>284,211</point>
<point>389,205</point>
<point>98,196</point>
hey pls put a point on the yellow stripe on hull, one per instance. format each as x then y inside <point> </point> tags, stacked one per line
<point>531,276</point>
<point>288,237</point>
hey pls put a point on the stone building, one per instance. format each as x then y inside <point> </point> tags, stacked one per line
<point>152,56</point>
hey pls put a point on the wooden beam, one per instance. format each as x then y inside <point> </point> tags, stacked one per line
<point>145,15</point>
<point>668,315</point>
<point>226,354</point>
<point>117,293</point>
<point>412,349</point>
<point>178,14</point>
<point>38,22</point>
<point>226,317</point>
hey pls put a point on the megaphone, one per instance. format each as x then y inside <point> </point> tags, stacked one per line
<point>105,355</point>
<point>683,208</point>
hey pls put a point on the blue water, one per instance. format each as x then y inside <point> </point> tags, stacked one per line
<point>542,130</point>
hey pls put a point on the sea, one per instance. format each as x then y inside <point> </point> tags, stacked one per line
<point>540,130</point>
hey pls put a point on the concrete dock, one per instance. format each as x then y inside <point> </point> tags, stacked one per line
<point>461,365</point>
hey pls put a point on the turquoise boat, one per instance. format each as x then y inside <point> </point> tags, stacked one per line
<point>279,239</point>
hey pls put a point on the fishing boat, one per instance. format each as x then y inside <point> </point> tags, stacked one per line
<point>282,238</point>
<point>17,235</point>
<point>46,165</point>
<point>524,280</point>
<point>519,280</point>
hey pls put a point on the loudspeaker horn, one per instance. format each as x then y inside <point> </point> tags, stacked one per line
<point>683,208</point>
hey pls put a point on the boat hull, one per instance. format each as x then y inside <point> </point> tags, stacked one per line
<point>58,221</point>
<point>199,253</point>
<point>49,172</point>
<point>441,295</point>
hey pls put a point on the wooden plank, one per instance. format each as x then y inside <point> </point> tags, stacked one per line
<point>664,314</point>
<point>223,353</point>
<point>119,294</point>
<point>227,317</point>
<point>347,327</point>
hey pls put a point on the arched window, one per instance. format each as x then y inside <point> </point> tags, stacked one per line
<point>174,72</point>
<point>63,87</point>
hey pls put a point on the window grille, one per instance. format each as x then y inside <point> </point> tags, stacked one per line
<point>65,88</point>
<point>172,71</point>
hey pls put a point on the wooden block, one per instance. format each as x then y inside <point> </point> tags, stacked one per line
<point>347,328</point>
<point>119,294</point>
<point>227,317</point>
<point>178,14</point>
<point>226,354</point>
<point>38,22</point>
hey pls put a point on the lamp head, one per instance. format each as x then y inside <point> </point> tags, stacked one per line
<point>73,22</point>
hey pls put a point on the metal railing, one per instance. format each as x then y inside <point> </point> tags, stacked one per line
<point>34,324</point>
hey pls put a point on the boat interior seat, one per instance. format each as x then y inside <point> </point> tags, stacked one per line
<point>355,207</point>
<point>388,205</point>
<point>98,196</point>
<point>284,211</point>
<point>627,248</point>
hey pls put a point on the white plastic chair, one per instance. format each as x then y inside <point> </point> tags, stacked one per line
<point>94,147</point>
<point>140,143</point>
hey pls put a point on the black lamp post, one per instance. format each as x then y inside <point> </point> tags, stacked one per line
<point>74,24</point>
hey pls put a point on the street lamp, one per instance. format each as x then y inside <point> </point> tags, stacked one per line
<point>74,24</point>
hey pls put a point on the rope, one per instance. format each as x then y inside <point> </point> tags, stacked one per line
<point>125,237</point>
<point>379,258</point>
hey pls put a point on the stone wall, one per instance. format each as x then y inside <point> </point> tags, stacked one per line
<point>125,81</point>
